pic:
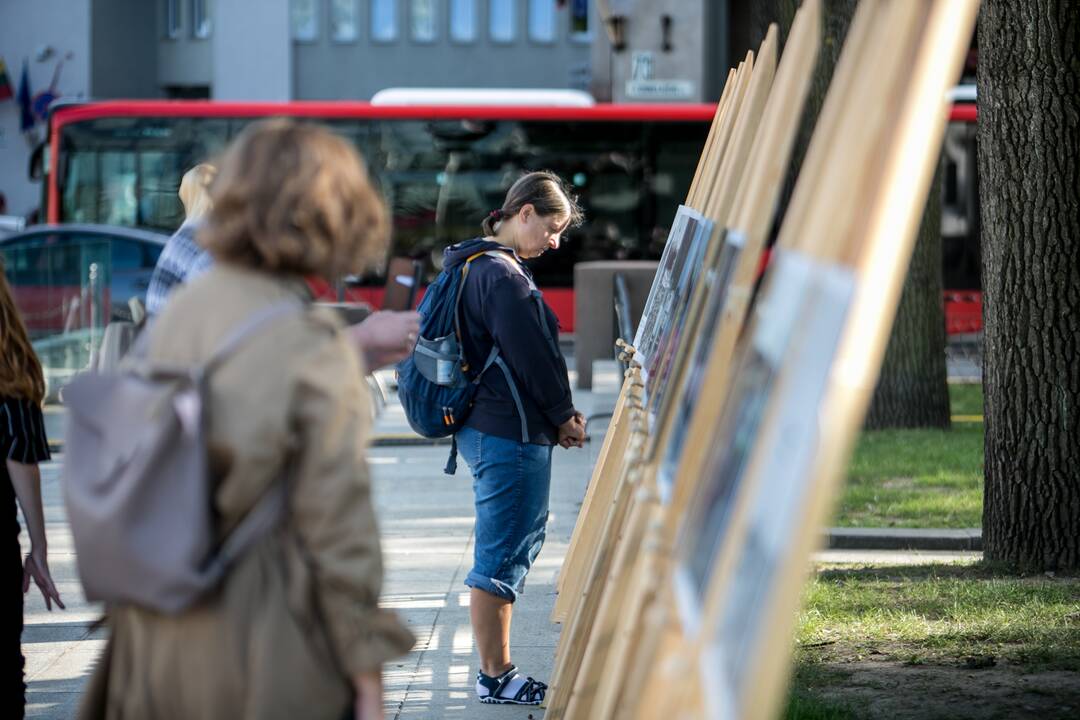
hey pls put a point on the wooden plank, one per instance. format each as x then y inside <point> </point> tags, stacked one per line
<point>595,623</point>
<point>598,495</point>
<point>908,170</point>
<point>710,141</point>
<point>710,173</point>
<point>719,207</point>
<point>572,641</point>
<point>580,555</point>
<point>917,47</point>
<point>746,126</point>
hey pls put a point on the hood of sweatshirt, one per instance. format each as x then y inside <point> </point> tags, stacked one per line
<point>457,254</point>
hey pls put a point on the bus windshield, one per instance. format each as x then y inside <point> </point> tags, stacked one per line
<point>439,177</point>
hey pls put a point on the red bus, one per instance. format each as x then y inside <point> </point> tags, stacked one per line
<point>442,168</point>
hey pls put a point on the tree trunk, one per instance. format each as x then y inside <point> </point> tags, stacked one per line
<point>912,390</point>
<point>1029,167</point>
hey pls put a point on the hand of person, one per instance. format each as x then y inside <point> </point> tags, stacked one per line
<point>37,567</point>
<point>386,337</point>
<point>369,702</point>
<point>572,432</point>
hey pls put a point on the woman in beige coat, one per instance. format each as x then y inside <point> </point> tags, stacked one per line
<point>294,631</point>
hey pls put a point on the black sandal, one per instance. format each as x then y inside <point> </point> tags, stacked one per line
<point>531,691</point>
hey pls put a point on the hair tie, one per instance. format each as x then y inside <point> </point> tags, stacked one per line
<point>496,214</point>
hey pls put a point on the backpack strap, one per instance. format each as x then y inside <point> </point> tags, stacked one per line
<point>457,306</point>
<point>517,398</point>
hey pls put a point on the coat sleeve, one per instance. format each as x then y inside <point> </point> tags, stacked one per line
<point>333,512</point>
<point>510,313</point>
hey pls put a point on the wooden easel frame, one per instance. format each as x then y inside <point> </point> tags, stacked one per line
<point>922,45</point>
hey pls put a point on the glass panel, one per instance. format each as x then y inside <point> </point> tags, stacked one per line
<point>172,18</point>
<point>132,265</point>
<point>343,20</point>
<point>200,13</point>
<point>503,20</point>
<point>60,284</point>
<point>439,177</point>
<point>384,22</point>
<point>542,20</point>
<point>463,20</point>
<point>305,20</point>
<point>579,19</point>
<point>422,19</point>
<point>127,171</point>
<point>117,205</point>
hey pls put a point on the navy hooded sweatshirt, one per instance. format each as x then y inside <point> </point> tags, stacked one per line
<point>501,305</point>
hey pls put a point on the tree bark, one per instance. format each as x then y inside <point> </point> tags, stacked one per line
<point>912,389</point>
<point>1029,168</point>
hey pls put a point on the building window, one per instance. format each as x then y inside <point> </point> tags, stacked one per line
<point>463,20</point>
<point>343,21</point>
<point>305,20</point>
<point>502,18</point>
<point>542,20</point>
<point>384,22</point>
<point>579,21</point>
<point>200,18</point>
<point>172,19</point>
<point>422,20</point>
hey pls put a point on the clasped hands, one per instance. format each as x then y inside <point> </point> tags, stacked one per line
<point>572,432</point>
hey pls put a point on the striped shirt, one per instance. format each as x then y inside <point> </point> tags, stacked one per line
<point>181,261</point>
<point>22,431</point>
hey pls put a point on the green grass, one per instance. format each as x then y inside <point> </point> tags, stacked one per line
<point>919,478</point>
<point>966,398</point>
<point>877,623</point>
<point>935,614</point>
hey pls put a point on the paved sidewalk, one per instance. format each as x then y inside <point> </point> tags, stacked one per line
<point>427,524</point>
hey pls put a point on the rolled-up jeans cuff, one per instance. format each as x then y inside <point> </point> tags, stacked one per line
<point>491,586</point>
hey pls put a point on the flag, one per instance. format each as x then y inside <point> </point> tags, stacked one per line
<point>5,82</point>
<point>26,114</point>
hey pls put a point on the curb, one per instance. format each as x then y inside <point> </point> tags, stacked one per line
<point>968,539</point>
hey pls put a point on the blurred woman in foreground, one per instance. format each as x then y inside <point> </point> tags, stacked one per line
<point>294,630</point>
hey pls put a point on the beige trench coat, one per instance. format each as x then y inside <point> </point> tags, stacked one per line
<point>296,616</point>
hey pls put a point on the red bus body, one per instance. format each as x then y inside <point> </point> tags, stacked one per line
<point>963,308</point>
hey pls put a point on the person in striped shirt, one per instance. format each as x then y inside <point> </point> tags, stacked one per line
<point>22,446</point>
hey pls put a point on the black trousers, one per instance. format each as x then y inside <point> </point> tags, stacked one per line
<point>12,686</point>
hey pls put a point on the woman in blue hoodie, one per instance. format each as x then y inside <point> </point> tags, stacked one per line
<point>522,409</point>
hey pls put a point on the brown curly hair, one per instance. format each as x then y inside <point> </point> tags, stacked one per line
<point>20,370</point>
<point>294,198</point>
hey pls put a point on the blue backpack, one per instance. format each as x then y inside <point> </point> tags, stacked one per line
<point>436,386</point>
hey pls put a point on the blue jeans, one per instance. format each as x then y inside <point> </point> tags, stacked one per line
<point>511,480</point>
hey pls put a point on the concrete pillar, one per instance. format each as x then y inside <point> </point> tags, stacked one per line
<point>594,308</point>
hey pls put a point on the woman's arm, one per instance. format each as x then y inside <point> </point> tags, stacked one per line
<point>26,479</point>
<point>333,515</point>
<point>510,314</point>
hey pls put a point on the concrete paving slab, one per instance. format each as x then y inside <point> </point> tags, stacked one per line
<point>426,519</point>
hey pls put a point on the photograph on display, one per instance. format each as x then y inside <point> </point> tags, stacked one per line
<point>660,363</point>
<point>784,298</point>
<point>650,323</point>
<point>790,447</point>
<point>669,280</point>
<point>716,282</point>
